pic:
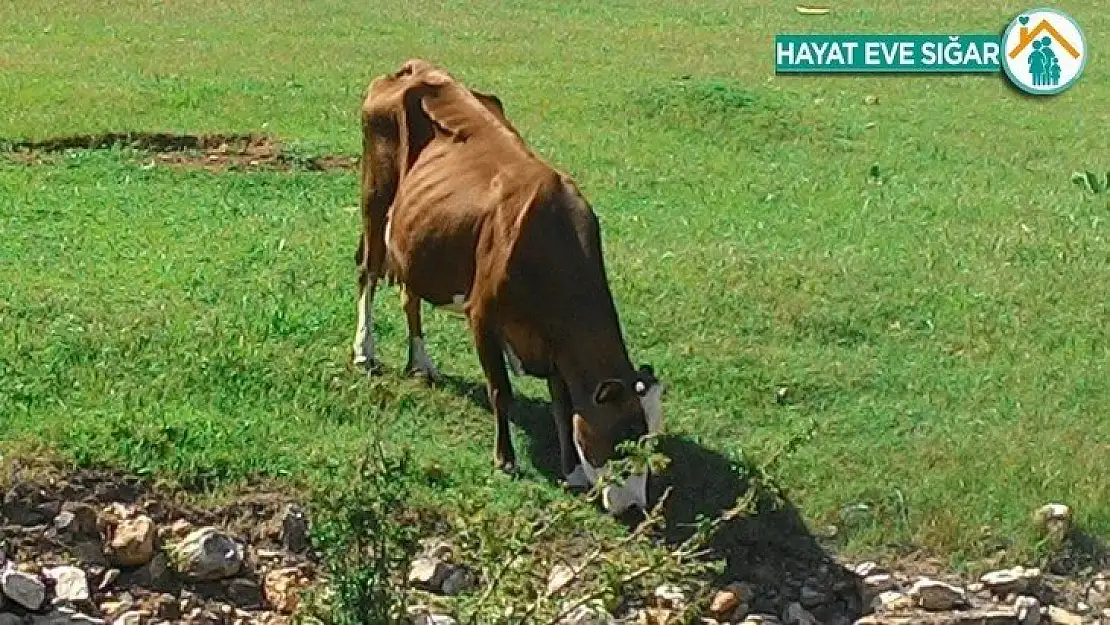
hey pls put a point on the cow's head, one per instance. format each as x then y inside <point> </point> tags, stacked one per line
<point>620,412</point>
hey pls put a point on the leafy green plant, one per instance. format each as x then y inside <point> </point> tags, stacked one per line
<point>365,540</point>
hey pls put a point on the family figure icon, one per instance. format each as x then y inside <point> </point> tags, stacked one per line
<point>1044,67</point>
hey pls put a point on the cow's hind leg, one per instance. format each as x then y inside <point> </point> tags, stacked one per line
<point>492,358</point>
<point>363,345</point>
<point>419,361</point>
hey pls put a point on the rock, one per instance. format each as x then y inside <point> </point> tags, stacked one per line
<point>459,580</point>
<point>760,619</point>
<point>867,569</point>
<point>176,531</point>
<point>871,100</point>
<point>559,576</point>
<point>281,588</point>
<point>436,548</point>
<point>1010,581</point>
<point>70,584</point>
<point>1028,610</point>
<point>891,601</point>
<point>23,588</point>
<point>872,586</point>
<point>110,577</point>
<point>937,596</point>
<point>134,617</point>
<point>795,614</point>
<point>428,573</point>
<point>433,619</point>
<point>243,593</point>
<point>1060,616</point>
<point>1053,519</point>
<point>208,554</point>
<point>132,542</point>
<point>77,521</point>
<point>154,574</point>
<point>66,616</point>
<point>89,553</point>
<point>670,596</point>
<point>587,614</point>
<point>730,597</point>
<point>294,529</point>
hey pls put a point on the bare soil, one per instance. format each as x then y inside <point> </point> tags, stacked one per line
<point>213,152</point>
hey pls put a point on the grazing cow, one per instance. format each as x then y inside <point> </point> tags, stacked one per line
<point>459,212</point>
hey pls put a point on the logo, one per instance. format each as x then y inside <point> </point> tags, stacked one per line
<point>1044,51</point>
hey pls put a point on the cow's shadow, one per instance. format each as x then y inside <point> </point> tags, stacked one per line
<point>772,549</point>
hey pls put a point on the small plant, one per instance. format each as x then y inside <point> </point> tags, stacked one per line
<point>365,541</point>
<point>1091,181</point>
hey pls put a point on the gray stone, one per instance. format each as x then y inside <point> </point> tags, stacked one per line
<point>294,529</point>
<point>891,601</point>
<point>76,520</point>
<point>937,596</point>
<point>1028,610</point>
<point>428,573</point>
<point>459,580</point>
<point>22,588</point>
<point>243,593</point>
<point>66,616</point>
<point>70,584</point>
<point>1060,616</point>
<point>208,554</point>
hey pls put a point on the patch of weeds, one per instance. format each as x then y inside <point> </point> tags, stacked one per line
<point>601,566</point>
<point>1091,181</point>
<point>365,533</point>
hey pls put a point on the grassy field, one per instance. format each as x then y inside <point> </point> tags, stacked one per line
<point>920,272</point>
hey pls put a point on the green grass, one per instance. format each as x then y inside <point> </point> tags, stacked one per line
<point>945,324</point>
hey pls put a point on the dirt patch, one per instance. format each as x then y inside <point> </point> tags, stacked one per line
<point>214,152</point>
<point>137,548</point>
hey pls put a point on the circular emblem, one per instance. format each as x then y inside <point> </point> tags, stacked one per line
<point>1043,51</point>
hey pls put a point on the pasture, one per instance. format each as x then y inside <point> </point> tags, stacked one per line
<point>906,258</point>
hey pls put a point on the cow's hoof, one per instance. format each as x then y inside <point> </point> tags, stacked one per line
<point>429,375</point>
<point>508,467</point>
<point>370,366</point>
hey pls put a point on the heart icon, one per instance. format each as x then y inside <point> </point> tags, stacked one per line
<point>1024,19</point>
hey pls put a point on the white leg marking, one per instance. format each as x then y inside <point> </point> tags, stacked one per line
<point>364,336</point>
<point>456,305</point>
<point>652,402</point>
<point>514,362</point>
<point>419,360</point>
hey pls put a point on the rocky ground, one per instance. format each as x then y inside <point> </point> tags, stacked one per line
<point>100,547</point>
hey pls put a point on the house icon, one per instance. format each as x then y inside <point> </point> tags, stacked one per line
<point>1026,37</point>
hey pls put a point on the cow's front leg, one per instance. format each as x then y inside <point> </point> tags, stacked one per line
<point>562,410</point>
<point>492,358</point>
<point>419,362</point>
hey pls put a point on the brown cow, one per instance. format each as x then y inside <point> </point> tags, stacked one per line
<point>462,214</point>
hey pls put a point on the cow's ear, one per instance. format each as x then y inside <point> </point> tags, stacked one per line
<point>608,391</point>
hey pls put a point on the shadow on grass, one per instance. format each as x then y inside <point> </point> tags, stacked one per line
<point>772,549</point>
